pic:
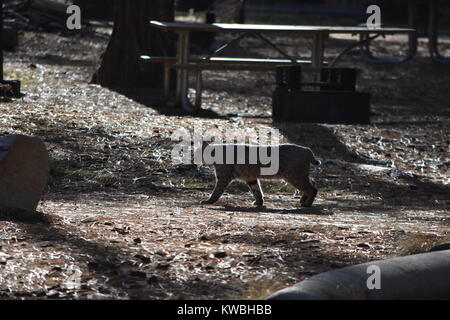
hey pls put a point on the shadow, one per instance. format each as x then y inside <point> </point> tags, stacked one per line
<point>6,99</point>
<point>394,187</point>
<point>127,273</point>
<point>322,141</point>
<point>131,275</point>
<point>415,194</point>
<point>56,60</point>
<point>298,245</point>
<point>97,167</point>
<point>314,210</point>
<point>406,92</point>
<point>154,98</point>
<point>412,122</point>
<point>22,216</point>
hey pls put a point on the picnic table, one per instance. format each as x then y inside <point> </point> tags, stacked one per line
<point>433,7</point>
<point>182,62</point>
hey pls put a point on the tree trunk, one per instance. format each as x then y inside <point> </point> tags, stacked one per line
<point>96,9</point>
<point>132,37</point>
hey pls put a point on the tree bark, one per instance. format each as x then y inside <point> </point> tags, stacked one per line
<point>96,9</point>
<point>132,37</point>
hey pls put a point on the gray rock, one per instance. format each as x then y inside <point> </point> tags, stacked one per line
<point>421,276</point>
<point>24,170</point>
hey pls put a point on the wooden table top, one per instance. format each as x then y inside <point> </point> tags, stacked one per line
<point>233,27</point>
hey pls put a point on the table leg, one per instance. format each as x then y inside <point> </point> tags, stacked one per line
<point>198,90</point>
<point>433,35</point>
<point>318,50</point>
<point>412,42</point>
<point>182,75</point>
<point>166,80</point>
<point>412,23</point>
<point>362,41</point>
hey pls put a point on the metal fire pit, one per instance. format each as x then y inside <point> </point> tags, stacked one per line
<point>332,100</point>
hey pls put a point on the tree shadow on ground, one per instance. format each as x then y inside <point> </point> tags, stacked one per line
<point>315,210</point>
<point>154,98</point>
<point>410,193</point>
<point>22,216</point>
<point>80,162</point>
<point>323,141</point>
<point>326,145</point>
<point>127,276</point>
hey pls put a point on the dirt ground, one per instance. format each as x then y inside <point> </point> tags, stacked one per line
<point>120,221</point>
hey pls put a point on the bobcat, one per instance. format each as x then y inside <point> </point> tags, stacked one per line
<point>293,166</point>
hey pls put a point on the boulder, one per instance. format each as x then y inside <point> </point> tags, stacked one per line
<point>24,170</point>
<point>420,276</point>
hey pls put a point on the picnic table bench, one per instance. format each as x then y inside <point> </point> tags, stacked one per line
<point>183,63</point>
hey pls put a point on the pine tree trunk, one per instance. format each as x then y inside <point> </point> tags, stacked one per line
<point>132,37</point>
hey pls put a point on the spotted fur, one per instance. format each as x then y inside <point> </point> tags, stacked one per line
<point>294,165</point>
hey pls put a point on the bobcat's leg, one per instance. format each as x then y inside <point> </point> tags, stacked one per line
<point>303,198</point>
<point>255,188</point>
<point>309,191</point>
<point>222,181</point>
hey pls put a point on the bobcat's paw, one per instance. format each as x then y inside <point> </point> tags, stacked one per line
<point>207,201</point>
<point>305,204</point>
<point>258,204</point>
